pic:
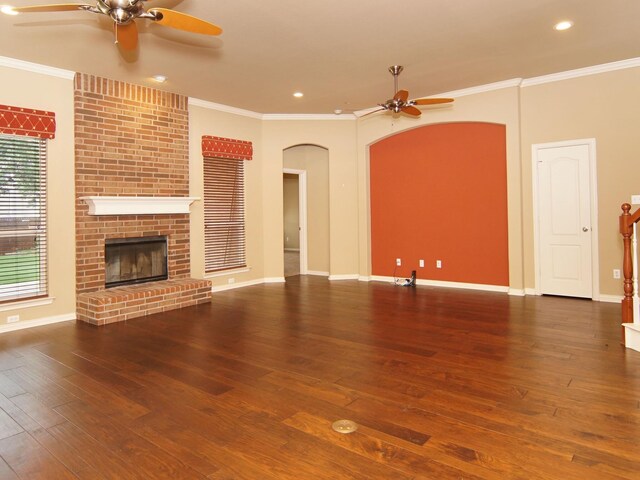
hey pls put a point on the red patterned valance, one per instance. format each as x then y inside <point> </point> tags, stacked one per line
<point>27,121</point>
<point>226,148</point>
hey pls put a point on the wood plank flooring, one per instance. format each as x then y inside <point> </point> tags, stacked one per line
<point>444,384</point>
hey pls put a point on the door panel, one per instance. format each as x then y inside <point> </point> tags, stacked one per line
<point>564,209</point>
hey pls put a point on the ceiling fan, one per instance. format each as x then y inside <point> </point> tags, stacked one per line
<point>400,102</point>
<point>124,13</point>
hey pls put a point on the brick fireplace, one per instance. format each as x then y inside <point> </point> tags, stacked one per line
<point>131,141</point>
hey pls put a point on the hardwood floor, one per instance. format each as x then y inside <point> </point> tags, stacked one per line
<point>444,384</point>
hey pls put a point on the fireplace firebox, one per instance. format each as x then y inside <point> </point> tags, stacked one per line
<point>135,260</point>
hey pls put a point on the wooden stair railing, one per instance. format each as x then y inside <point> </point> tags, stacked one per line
<point>627,220</point>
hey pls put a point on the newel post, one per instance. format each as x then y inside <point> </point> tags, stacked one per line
<point>626,229</point>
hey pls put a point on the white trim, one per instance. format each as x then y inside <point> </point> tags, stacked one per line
<point>196,102</point>
<point>273,280</point>
<point>232,286</point>
<point>36,68</point>
<point>593,177</point>
<point>582,72</point>
<point>364,278</point>
<point>632,336</point>
<point>489,87</point>
<point>611,298</point>
<point>531,291</point>
<point>12,327</point>
<point>227,272</point>
<point>347,276</point>
<point>315,272</point>
<point>138,205</point>
<point>445,284</point>
<point>302,216</point>
<point>291,249</point>
<point>308,116</point>
<point>20,304</point>
<point>516,292</point>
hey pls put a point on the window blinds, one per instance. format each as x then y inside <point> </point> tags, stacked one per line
<point>23,246</point>
<point>224,214</point>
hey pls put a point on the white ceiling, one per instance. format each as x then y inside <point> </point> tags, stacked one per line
<point>335,51</point>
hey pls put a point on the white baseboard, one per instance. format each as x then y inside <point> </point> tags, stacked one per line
<point>364,278</point>
<point>531,291</point>
<point>273,280</point>
<point>611,298</point>
<point>349,276</point>
<point>516,292</point>
<point>231,286</point>
<point>12,327</point>
<point>441,283</point>
<point>315,272</point>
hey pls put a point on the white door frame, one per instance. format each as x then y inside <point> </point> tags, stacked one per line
<point>302,214</point>
<point>593,176</point>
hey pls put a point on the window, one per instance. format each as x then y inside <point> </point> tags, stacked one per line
<point>224,236</point>
<point>23,246</point>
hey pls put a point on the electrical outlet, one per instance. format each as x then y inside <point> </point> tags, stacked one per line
<point>616,273</point>
<point>13,318</point>
<point>231,280</point>
<point>438,263</point>
<point>421,263</point>
<point>398,262</point>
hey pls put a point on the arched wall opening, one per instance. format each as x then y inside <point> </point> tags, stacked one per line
<point>313,160</point>
<point>439,192</point>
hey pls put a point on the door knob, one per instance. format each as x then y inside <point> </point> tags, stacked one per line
<point>585,229</point>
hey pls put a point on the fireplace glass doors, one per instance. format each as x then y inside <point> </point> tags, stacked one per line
<point>135,260</point>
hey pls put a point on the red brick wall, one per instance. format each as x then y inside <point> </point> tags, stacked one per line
<point>130,141</point>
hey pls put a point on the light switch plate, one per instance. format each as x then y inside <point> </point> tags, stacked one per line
<point>635,199</point>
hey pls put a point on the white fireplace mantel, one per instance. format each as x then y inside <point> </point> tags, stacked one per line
<point>138,205</point>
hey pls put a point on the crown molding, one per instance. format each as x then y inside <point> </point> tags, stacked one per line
<point>489,87</point>
<point>582,72</point>
<point>36,68</point>
<point>224,108</point>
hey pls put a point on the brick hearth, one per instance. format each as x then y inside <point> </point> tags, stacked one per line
<point>130,141</point>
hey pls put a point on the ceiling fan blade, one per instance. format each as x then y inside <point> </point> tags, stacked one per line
<point>411,110</point>
<point>372,111</point>
<point>182,21</point>
<point>401,95</point>
<point>60,7</point>
<point>431,101</point>
<point>126,35</point>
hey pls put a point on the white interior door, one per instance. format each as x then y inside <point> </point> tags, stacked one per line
<point>564,221</point>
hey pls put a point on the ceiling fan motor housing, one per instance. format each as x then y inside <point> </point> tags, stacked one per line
<point>121,11</point>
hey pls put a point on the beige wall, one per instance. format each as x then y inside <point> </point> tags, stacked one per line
<point>291,211</point>
<point>315,161</point>
<point>32,90</point>
<point>339,138</point>
<point>605,107</point>
<point>497,106</point>
<point>205,121</point>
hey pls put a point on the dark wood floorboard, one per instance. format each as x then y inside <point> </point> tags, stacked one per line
<point>443,384</point>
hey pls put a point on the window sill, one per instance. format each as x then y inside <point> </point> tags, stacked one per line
<point>227,272</point>
<point>18,304</point>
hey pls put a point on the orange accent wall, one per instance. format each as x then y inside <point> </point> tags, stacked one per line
<point>439,192</point>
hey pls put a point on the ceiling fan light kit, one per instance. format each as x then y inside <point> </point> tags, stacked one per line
<point>124,13</point>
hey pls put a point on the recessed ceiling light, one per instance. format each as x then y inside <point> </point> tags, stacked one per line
<point>564,25</point>
<point>8,10</point>
<point>159,78</point>
<point>298,94</point>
